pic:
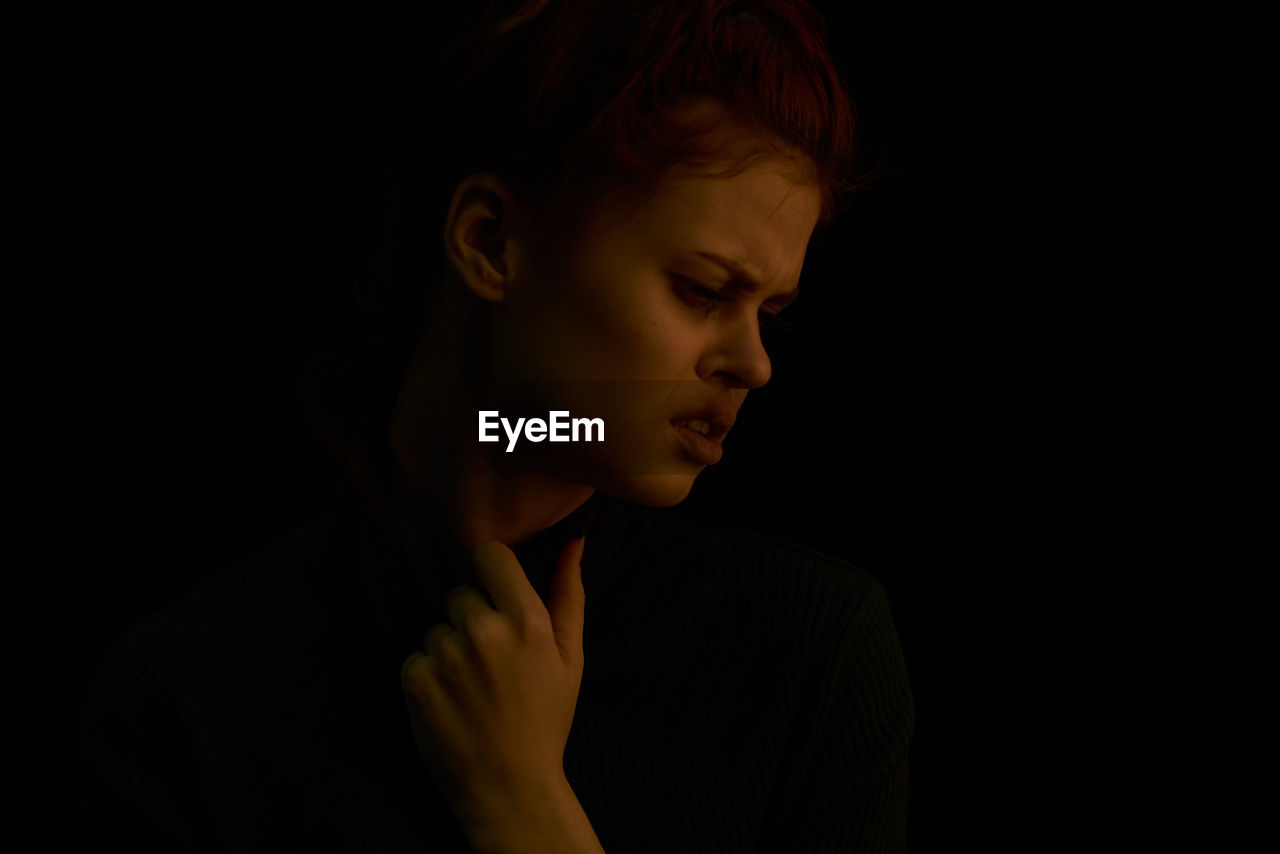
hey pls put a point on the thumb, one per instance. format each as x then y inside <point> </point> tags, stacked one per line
<point>568,600</point>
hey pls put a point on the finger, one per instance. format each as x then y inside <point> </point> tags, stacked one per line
<point>568,600</point>
<point>414,673</point>
<point>503,578</point>
<point>417,679</point>
<point>435,639</point>
<point>463,603</point>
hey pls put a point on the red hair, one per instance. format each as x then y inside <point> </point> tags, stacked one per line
<point>580,93</point>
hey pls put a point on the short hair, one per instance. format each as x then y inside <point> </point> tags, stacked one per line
<point>572,102</point>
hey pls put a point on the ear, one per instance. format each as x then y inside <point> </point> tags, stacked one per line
<point>481,235</point>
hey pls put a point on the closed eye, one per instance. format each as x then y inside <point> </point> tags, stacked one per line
<point>772,327</point>
<point>699,295</point>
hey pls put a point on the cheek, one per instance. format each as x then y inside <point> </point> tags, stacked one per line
<point>633,329</point>
<point>615,316</point>
<point>650,318</point>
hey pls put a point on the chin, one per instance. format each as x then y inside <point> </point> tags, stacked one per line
<point>655,490</point>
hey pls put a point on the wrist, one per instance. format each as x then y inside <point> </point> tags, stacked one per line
<point>547,818</point>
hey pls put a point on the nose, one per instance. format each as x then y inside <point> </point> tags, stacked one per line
<point>738,354</point>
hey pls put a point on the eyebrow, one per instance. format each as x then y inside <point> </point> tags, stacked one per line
<point>742,279</point>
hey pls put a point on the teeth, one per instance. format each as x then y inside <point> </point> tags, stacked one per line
<point>701,426</point>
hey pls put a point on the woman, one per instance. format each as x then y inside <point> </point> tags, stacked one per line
<point>606,207</point>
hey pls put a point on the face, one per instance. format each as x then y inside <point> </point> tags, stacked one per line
<point>656,321</point>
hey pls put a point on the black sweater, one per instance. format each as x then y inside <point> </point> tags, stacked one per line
<point>739,694</point>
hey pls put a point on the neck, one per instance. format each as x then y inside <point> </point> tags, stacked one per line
<point>475,504</point>
<point>444,486</point>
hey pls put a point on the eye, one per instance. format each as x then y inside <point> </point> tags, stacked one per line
<point>699,296</point>
<point>772,327</point>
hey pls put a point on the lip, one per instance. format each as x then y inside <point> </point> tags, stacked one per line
<point>698,446</point>
<point>704,449</point>
<point>720,418</point>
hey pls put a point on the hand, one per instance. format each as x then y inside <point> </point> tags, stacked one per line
<point>492,699</point>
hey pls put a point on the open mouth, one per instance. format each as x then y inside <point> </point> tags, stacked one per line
<point>702,427</point>
<point>700,440</point>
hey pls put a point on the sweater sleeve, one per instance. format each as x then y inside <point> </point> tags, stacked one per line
<point>139,784</point>
<point>846,788</point>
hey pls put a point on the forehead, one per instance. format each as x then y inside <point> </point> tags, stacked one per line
<point>761,217</point>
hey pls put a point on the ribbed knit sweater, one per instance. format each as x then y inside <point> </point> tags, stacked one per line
<point>739,694</point>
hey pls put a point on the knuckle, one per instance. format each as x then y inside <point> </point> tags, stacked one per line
<point>456,591</point>
<point>534,628</point>
<point>415,675</point>
<point>449,652</point>
<point>483,629</point>
<point>435,637</point>
<point>450,673</point>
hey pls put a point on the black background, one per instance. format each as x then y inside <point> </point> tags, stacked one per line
<point>1025,390</point>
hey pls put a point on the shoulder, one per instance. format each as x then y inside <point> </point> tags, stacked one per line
<point>816,629</point>
<point>182,696</point>
<point>856,712</point>
<point>753,588</point>
<point>242,622</point>
<point>801,588</point>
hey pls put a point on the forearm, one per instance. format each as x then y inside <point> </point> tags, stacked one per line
<point>551,821</point>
